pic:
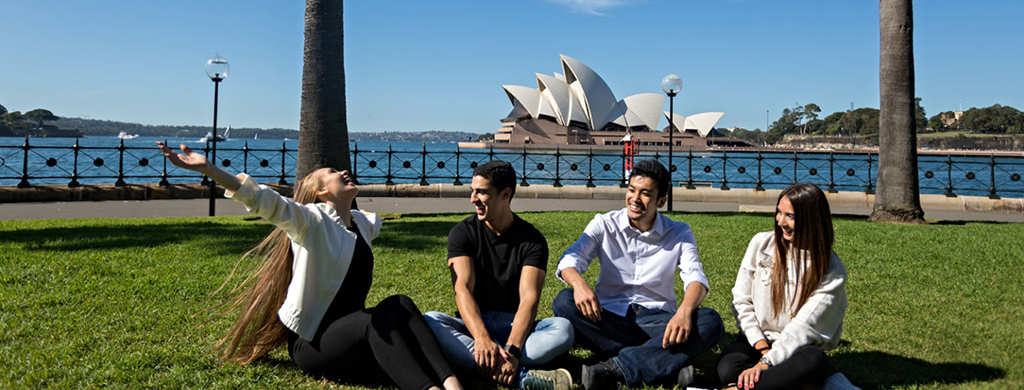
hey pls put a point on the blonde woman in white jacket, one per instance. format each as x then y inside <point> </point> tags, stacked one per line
<point>310,290</point>
<point>789,299</point>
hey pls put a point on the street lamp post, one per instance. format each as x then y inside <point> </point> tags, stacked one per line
<point>671,84</point>
<point>217,68</point>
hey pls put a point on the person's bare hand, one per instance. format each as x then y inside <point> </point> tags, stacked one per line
<point>677,331</point>
<point>749,377</point>
<point>187,159</point>
<point>506,371</point>
<point>587,303</point>
<point>487,354</point>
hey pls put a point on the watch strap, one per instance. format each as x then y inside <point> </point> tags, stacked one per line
<point>514,351</point>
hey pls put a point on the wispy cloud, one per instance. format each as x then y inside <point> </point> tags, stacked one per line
<point>595,7</point>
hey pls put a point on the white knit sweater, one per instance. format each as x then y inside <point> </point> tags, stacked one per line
<point>819,322</point>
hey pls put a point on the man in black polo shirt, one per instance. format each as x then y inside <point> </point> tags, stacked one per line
<point>498,263</point>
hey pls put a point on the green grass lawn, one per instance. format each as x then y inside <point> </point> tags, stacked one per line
<point>119,302</point>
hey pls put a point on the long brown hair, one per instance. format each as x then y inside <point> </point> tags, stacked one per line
<point>812,242</point>
<point>257,331</point>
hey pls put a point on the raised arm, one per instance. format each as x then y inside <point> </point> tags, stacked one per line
<point>197,162</point>
<point>292,217</point>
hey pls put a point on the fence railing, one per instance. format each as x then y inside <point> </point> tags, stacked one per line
<point>951,175</point>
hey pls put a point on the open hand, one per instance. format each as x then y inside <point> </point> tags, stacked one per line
<point>189,160</point>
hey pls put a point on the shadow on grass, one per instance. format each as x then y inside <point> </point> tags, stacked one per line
<point>222,238</point>
<point>880,370</point>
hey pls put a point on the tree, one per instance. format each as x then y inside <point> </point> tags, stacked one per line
<point>40,116</point>
<point>786,124</point>
<point>897,198</point>
<point>3,110</point>
<point>997,119</point>
<point>323,127</point>
<point>810,113</point>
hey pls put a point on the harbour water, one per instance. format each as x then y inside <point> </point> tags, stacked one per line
<point>101,160</point>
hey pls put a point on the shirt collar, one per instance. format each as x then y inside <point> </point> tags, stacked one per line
<point>657,229</point>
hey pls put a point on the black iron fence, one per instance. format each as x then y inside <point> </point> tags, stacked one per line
<point>986,175</point>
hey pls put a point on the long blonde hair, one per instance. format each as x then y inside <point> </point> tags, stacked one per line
<point>257,331</point>
<point>812,242</point>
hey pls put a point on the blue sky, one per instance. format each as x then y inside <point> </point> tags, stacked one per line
<point>439,65</point>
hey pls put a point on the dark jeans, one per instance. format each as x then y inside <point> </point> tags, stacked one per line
<point>807,366</point>
<point>391,336</point>
<point>635,340</point>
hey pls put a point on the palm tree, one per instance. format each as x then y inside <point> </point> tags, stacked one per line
<point>897,199</point>
<point>323,127</point>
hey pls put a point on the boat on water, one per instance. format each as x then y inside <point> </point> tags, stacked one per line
<point>124,135</point>
<point>209,136</point>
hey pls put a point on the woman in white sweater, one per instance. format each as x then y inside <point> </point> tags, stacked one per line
<point>309,292</point>
<point>789,299</point>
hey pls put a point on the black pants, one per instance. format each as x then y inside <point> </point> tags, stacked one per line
<point>392,337</point>
<point>808,366</point>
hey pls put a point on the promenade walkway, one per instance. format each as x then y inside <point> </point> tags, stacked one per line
<point>403,205</point>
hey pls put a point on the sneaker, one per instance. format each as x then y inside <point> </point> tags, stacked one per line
<point>547,380</point>
<point>685,377</point>
<point>602,376</point>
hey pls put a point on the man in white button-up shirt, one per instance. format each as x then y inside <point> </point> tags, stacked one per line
<point>631,316</point>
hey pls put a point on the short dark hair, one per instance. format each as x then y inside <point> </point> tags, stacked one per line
<point>652,169</point>
<point>500,173</point>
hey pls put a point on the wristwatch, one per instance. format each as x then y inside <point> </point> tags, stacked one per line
<point>764,359</point>
<point>514,351</point>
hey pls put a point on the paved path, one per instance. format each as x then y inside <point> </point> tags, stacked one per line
<point>200,207</point>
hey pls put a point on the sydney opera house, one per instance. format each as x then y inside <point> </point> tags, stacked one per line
<point>576,107</point>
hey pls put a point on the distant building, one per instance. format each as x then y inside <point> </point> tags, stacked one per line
<point>577,107</point>
<point>948,120</point>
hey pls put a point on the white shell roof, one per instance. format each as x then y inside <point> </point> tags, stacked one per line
<point>596,98</point>
<point>530,99</point>
<point>702,123</point>
<point>581,95</point>
<point>556,91</point>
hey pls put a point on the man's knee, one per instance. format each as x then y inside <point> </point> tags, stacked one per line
<point>435,319</point>
<point>560,328</point>
<point>564,304</point>
<point>709,323</point>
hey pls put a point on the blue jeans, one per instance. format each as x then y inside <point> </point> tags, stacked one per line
<point>549,338</point>
<point>635,340</point>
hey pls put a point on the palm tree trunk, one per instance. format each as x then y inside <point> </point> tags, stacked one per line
<point>323,127</point>
<point>897,199</point>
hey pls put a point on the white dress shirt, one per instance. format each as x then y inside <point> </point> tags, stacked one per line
<point>636,267</point>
